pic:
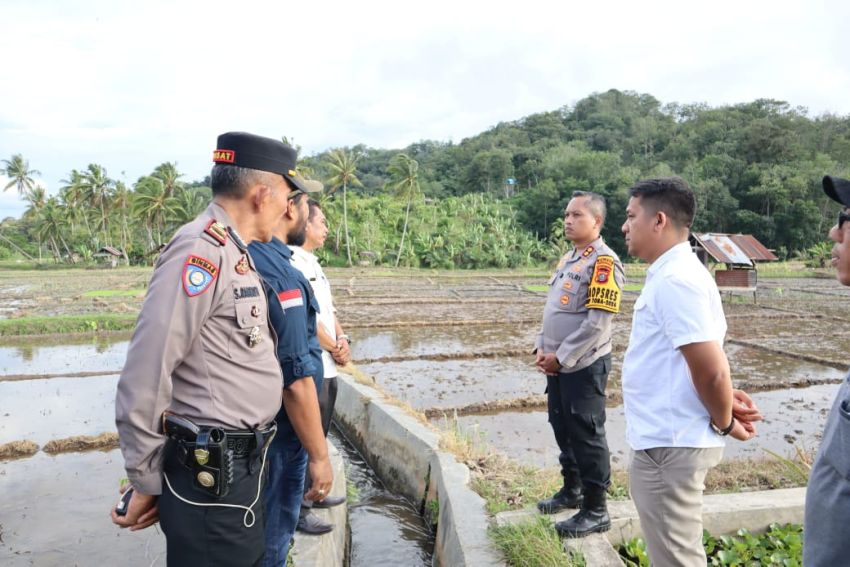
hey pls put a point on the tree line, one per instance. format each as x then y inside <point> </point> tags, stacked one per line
<point>495,199</point>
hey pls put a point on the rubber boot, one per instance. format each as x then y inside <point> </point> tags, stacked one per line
<point>569,496</point>
<point>592,518</point>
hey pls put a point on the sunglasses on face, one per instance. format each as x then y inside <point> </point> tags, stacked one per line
<point>842,216</point>
<point>296,192</point>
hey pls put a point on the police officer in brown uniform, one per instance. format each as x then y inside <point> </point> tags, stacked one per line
<point>574,351</point>
<point>201,384</point>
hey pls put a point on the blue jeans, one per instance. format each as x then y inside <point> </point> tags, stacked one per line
<point>287,465</point>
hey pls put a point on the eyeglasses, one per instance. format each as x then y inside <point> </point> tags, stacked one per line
<point>295,192</point>
<point>842,216</point>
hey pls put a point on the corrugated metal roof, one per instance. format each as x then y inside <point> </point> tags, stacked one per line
<point>738,249</point>
<point>754,249</point>
<point>722,249</point>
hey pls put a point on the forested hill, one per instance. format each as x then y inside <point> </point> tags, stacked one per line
<point>492,200</point>
<point>756,167</point>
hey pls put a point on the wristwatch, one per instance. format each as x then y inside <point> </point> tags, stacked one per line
<point>346,337</point>
<point>722,432</point>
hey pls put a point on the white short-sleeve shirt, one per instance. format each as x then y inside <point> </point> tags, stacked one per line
<point>679,305</point>
<point>308,264</point>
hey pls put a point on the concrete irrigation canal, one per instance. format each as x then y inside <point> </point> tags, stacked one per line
<point>432,352</point>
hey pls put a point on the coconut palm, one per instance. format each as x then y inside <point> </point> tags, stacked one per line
<point>50,227</point>
<point>20,175</point>
<point>121,203</point>
<point>97,189</point>
<point>343,166</point>
<point>190,202</point>
<point>151,203</point>
<point>404,173</point>
<point>72,196</point>
<point>170,177</point>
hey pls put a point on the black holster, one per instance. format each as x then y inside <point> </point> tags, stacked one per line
<point>204,452</point>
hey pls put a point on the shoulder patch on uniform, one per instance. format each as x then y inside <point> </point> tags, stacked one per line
<point>198,274</point>
<point>290,298</point>
<point>587,252</point>
<point>217,231</point>
<point>603,292</point>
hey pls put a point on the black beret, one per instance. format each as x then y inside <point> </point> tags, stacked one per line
<point>265,154</point>
<point>837,189</point>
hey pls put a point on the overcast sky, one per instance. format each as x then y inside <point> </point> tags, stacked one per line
<point>130,85</point>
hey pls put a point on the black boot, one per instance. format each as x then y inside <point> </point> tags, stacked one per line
<point>592,518</point>
<point>568,497</point>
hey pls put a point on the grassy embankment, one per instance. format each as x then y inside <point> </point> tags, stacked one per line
<point>507,485</point>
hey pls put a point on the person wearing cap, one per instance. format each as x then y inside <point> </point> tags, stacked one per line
<point>197,397</point>
<point>300,445</point>
<point>334,343</point>
<point>827,512</point>
<point>677,390</point>
<point>574,351</point>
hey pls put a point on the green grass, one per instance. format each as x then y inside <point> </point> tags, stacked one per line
<point>67,324</point>
<point>534,544</point>
<point>114,293</point>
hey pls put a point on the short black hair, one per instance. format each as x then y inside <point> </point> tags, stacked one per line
<point>314,206</point>
<point>671,195</point>
<point>233,181</point>
<point>595,202</point>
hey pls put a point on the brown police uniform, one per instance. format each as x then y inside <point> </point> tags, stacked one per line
<point>584,294</point>
<point>202,349</point>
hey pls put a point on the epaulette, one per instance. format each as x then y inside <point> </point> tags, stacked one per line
<point>587,252</point>
<point>218,231</point>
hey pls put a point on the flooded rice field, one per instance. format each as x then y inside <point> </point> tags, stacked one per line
<point>438,342</point>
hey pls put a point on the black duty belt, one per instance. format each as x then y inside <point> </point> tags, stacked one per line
<point>210,452</point>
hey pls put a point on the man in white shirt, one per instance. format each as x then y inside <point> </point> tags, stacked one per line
<point>335,344</point>
<point>677,390</point>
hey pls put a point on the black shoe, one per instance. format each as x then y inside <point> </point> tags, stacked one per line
<point>329,502</point>
<point>563,499</point>
<point>592,518</point>
<point>310,523</point>
<point>584,523</point>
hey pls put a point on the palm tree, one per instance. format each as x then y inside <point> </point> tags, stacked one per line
<point>404,172</point>
<point>20,175</point>
<point>121,202</point>
<point>72,195</point>
<point>151,203</point>
<point>97,188</point>
<point>170,177</point>
<point>190,202</point>
<point>343,166</point>
<point>50,226</point>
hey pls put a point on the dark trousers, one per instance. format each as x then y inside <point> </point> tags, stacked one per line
<point>211,536</point>
<point>576,404</point>
<point>327,400</point>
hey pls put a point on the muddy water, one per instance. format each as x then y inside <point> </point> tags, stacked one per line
<point>385,528</point>
<point>374,343</point>
<point>54,512</point>
<point>791,417</point>
<point>42,357</point>
<point>41,410</point>
<point>436,312</point>
<point>453,383</point>
<point>761,368</point>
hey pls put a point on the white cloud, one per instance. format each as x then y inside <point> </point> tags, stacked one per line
<point>131,85</point>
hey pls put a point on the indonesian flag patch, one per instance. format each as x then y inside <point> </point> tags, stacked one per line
<point>198,274</point>
<point>290,298</point>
